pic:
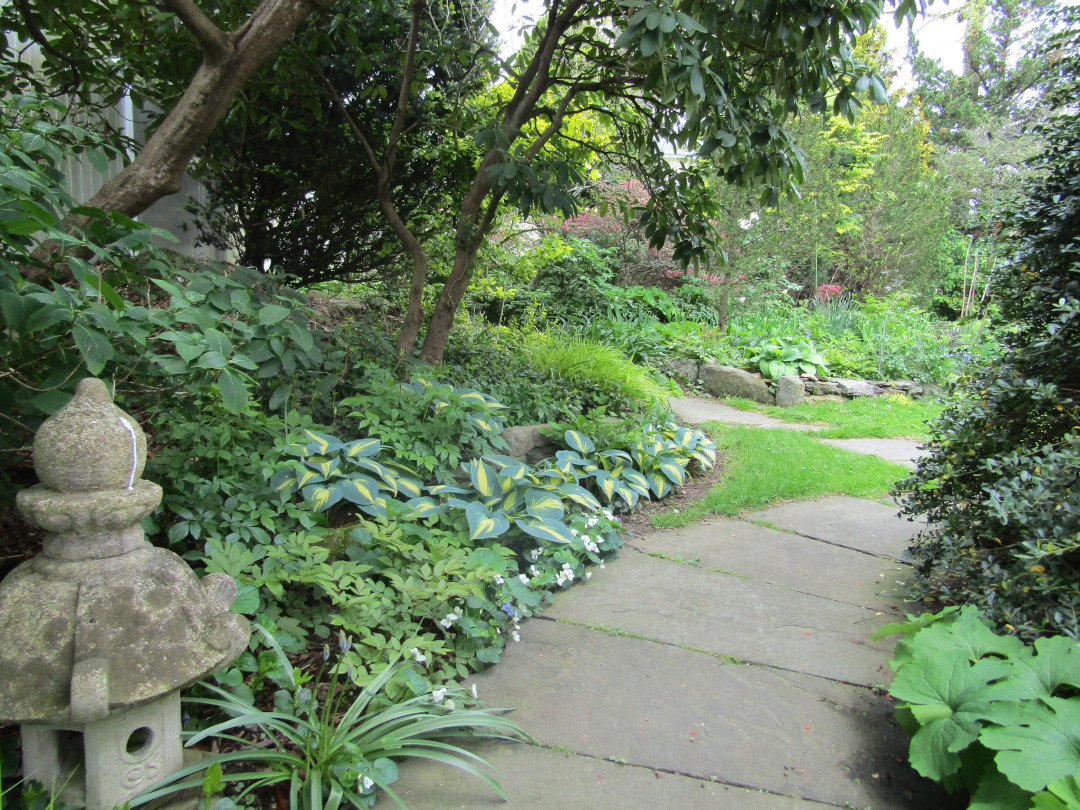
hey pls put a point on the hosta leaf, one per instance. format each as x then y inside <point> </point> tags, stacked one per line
<point>1040,745</point>
<point>551,531</point>
<point>686,438</point>
<point>543,504</point>
<point>629,495</point>
<point>358,489</point>
<point>484,478</point>
<point>606,482</point>
<point>324,466</point>
<point>376,509</point>
<point>483,524</point>
<point>510,466</point>
<point>321,497</point>
<point>284,482</point>
<point>671,467</point>
<point>579,441</point>
<point>618,454</point>
<point>419,508</point>
<point>659,484</point>
<point>362,448</point>
<point>322,443</point>
<point>407,486</point>
<point>579,495</point>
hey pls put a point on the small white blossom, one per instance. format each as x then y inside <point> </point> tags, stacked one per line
<point>367,783</point>
<point>475,696</point>
<point>438,694</point>
<point>573,532</point>
<point>498,579</point>
<point>419,656</point>
<point>524,579</point>
<point>515,636</point>
<point>591,522</point>
<point>449,620</point>
<point>534,570</point>
<point>450,705</point>
<point>588,575</point>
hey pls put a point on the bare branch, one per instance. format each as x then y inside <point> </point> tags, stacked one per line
<point>212,40</point>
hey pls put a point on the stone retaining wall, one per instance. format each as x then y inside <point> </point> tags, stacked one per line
<point>727,381</point>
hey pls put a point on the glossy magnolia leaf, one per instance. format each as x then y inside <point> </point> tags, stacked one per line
<point>1040,744</point>
<point>483,524</point>
<point>94,346</point>
<point>550,531</point>
<point>234,390</point>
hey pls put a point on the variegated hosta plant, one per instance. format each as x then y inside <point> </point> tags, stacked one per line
<point>326,470</point>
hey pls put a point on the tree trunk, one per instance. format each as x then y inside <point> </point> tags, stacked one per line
<point>229,59</point>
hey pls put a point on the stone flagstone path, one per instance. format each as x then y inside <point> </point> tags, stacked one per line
<point>724,665</point>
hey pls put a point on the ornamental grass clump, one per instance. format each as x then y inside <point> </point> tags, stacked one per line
<point>581,360</point>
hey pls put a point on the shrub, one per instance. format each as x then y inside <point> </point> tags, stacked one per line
<point>576,360</point>
<point>1000,484</point>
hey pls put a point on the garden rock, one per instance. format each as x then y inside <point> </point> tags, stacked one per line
<point>528,444</point>
<point>728,381</point>
<point>825,388</point>
<point>683,369</point>
<point>789,391</point>
<point>856,388</point>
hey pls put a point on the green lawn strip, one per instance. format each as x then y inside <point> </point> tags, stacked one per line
<point>859,418</point>
<point>762,467</point>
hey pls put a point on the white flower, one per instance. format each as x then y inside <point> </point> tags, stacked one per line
<point>573,532</point>
<point>591,522</point>
<point>475,696</point>
<point>524,579</point>
<point>367,783</point>
<point>438,694</point>
<point>450,705</point>
<point>588,575</point>
<point>536,554</point>
<point>419,656</point>
<point>515,636</point>
<point>608,514</point>
<point>449,620</point>
<point>534,570</point>
<point>498,579</point>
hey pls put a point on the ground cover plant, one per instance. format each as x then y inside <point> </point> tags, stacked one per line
<point>765,466</point>
<point>988,713</point>
<point>896,416</point>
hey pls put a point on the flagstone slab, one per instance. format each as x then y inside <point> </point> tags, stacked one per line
<point>850,522</point>
<point>786,560</point>
<point>732,616</point>
<point>537,778</point>
<point>900,451</point>
<point>680,711</point>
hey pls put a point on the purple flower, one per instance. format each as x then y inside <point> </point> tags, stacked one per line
<point>508,609</point>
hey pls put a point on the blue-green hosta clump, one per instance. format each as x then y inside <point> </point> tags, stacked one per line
<point>989,713</point>
<point>326,470</point>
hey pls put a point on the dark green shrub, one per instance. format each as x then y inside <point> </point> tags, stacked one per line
<point>1001,486</point>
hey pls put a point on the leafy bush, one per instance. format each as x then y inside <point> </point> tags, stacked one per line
<point>999,486</point>
<point>430,426</point>
<point>788,356</point>
<point>989,714</point>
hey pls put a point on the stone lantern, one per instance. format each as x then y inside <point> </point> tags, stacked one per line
<point>100,631</point>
